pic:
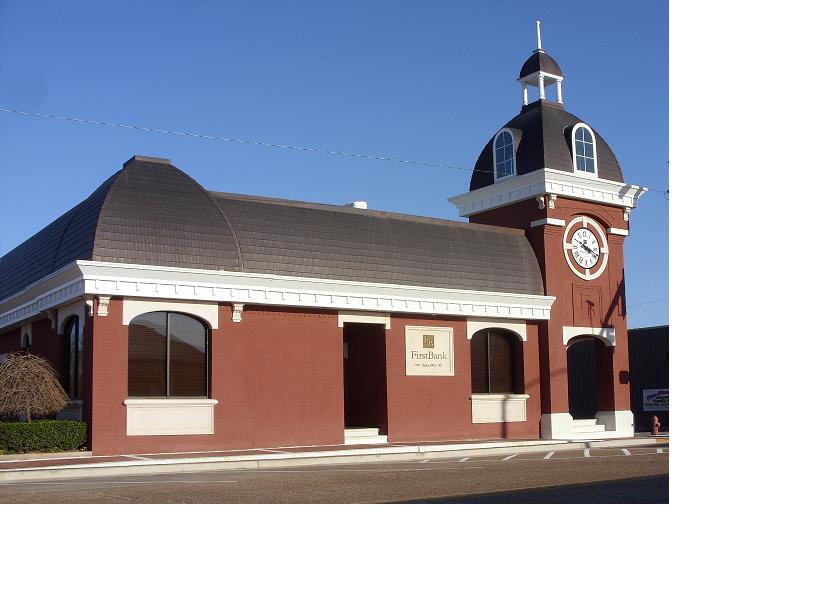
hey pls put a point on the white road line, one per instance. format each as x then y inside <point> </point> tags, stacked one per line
<point>626,452</point>
<point>510,457</point>
<point>550,454</point>
<point>586,452</point>
<point>463,460</point>
<point>659,450</point>
<point>425,461</point>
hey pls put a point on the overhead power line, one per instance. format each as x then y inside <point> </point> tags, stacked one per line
<point>650,302</point>
<point>260,143</point>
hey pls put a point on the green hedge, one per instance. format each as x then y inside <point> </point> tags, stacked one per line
<point>42,436</point>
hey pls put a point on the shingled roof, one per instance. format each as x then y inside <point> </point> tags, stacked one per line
<point>546,140</point>
<point>152,213</point>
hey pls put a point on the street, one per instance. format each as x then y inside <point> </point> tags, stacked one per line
<point>604,475</point>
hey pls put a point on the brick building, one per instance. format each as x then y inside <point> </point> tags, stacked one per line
<point>186,319</point>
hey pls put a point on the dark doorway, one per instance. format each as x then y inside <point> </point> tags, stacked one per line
<point>364,376</point>
<point>589,375</point>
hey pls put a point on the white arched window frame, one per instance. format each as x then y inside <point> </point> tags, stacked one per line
<point>504,155</point>
<point>584,150</point>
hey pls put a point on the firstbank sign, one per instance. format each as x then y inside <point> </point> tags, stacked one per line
<point>429,351</point>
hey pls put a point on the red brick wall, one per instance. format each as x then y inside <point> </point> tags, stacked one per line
<point>425,408</point>
<point>607,292</point>
<point>44,342</point>
<point>277,376</point>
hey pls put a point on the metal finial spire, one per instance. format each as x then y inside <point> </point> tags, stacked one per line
<point>538,34</point>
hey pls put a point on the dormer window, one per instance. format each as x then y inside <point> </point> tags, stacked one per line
<point>504,155</point>
<point>583,147</point>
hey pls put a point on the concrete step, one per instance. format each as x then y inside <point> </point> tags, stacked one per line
<point>584,421</point>
<point>361,432</point>
<point>588,428</point>
<point>364,435</point>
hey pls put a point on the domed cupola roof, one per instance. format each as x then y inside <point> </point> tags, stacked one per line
<point>539,61</point>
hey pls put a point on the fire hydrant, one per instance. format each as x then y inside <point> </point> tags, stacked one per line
<point>655,425</point>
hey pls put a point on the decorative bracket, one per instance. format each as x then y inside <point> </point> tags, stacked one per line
<point>626,212</point>
<point>51,313</point>
<point>237,312</point>
<point>102,305</point>
<point>551,198</point>
<point>90,304</point>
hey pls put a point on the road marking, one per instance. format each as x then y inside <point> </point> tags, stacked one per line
<point>659,450</point>
<point>463,460</point>
<point>626,452</point>
<point>510,457</point>
<point>425,461</point>
<point>586,452</point>
<point>550,454</point>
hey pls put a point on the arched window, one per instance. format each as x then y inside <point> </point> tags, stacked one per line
<point>583,147</point>
<point>72,358</point>
<point>495,355</point>
<point>504,154</point>
<point>167,356</point>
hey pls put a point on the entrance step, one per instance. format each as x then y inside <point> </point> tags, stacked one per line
<point>587,426</point>
<point>364,435</point>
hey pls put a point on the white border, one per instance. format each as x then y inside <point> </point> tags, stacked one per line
<point>170,417</point>
<point>605,334</point>
<point>133,308</point>
<point>81,279</point>
<point>601,235</point>
<point>371,317</point>
<point>517,327</point>
<point>547,180</point>
<point>575,169</point>
<point>498,407</point>
<point>514,140</point>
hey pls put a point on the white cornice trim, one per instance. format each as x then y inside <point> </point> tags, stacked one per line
<point>191,285</point>
<point>547,180</point>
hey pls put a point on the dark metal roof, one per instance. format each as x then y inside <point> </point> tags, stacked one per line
<point>545,139</point>
<point>539,61</point>
<point>151,213</point>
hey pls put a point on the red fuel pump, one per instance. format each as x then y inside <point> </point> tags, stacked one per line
<point>655,425</point>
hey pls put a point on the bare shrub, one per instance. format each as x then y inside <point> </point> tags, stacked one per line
<point>29,387</point>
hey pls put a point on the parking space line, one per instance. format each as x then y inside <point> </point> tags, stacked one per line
<point>626,452</point>
<point>550,454</point>
<point>425,461</point>
<point>463,460</point>
<point>586,452</point>
<point>510,457</point>
<point>659,450</point>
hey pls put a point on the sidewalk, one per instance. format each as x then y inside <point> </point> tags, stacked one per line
<point>59,466</point>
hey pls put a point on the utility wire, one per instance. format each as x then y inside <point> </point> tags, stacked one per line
<point>650,302</point>
<point>259,143</point>
<point>239,140</point>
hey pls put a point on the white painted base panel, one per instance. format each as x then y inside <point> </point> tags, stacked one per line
<point>498,408</point>
<point>605,425</point>
<point>170,417</point>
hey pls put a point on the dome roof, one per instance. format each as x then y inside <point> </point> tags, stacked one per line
<point>539,61</point>
<point>544,132</point>
<point>152,213</point>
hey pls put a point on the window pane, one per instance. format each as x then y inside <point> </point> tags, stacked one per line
<point>579,147</point>
<point>188,356</point>
<point>579,162</point>
<point>147,351</point>
<point>501,359</point>
<point>590,165</point>
<point>478,362</point>
<point>588,150</point>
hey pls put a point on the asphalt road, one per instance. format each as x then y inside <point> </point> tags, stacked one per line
<point>610,475</point>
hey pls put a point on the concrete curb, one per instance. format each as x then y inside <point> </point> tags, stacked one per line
<point>284,459</point>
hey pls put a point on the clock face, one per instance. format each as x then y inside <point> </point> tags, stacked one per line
<point>585,248</point>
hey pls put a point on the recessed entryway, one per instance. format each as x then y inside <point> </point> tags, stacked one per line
<point>365,386</point>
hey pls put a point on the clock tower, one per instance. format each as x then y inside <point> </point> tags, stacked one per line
<point>552,175</point>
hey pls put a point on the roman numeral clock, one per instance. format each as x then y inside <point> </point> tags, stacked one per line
<point>585,247</point>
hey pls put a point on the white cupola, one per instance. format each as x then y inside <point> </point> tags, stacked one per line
<point>540,71</point>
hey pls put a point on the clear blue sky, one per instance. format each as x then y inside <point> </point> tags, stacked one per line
<point>415,80</point>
